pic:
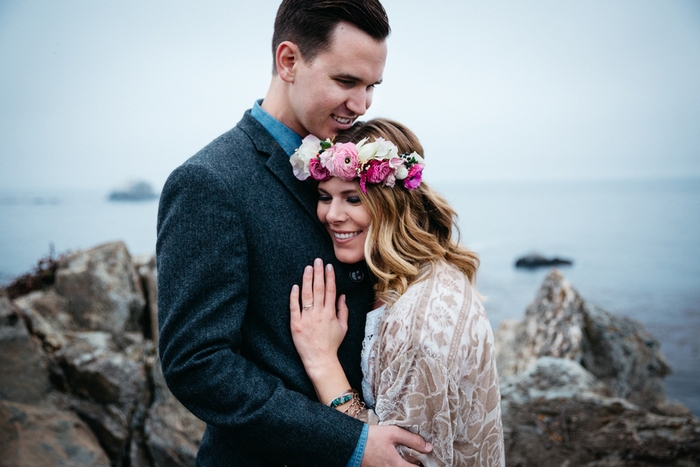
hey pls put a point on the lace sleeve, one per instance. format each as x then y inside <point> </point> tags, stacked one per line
<point>435,373</point>
<point>417,392</point>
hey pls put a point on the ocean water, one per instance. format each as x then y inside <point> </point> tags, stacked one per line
<point>635,247</point>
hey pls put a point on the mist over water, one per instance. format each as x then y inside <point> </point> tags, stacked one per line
<point>635,247</point>
<point>33,223</point>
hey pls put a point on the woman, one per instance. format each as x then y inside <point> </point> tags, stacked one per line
<point>428,355</point>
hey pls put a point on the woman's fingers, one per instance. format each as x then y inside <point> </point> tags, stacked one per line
<point>330,286</point>
<point>294,310</point>
<point>319,283</point>
<point>307,294</point>
<point>343,313</point>
<point>318,288</point>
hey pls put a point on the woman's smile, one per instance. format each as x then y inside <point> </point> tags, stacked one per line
<point>343,237</point>
<point>340,210</point>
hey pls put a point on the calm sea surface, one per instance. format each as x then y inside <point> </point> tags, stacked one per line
<point>635,246</point>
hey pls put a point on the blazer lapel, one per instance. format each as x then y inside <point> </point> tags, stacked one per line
<point>278,164</point>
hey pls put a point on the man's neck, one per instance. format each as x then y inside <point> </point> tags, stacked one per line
<point>277,105</point>
<point>286,138</point>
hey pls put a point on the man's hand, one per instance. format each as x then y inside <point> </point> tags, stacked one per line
<point>380,450</point>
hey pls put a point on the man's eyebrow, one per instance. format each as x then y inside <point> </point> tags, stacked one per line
<point>347,77</point>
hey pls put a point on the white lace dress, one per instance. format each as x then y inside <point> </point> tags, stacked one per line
<point>431,368</point>
<point>368,351</point>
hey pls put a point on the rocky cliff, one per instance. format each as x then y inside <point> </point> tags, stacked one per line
<point>81,384</point>
<point>582,387</point>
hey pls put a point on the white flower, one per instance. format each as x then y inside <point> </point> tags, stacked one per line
<point>401,172</point>
<point>419,159</point>
<point>300,166</point>
<point>309,147</point>
<point>301,157</point>
<point>379,149</point>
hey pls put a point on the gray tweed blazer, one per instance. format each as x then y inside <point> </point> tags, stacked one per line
<point>235,230</point>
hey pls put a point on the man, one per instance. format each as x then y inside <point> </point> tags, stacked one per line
<point>235,230</point>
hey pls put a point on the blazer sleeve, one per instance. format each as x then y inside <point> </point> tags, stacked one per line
<point>203,294</point>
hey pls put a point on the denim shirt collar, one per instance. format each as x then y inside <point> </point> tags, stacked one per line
<point>285,137</point>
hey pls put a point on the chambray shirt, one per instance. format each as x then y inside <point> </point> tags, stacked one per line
<point>290,141</point>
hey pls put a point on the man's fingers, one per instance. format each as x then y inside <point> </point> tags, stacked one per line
<point>382,442</point>
<point>412,441</point>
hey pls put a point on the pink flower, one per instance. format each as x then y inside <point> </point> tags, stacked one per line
<point>390,180</point>
<point>395,162</point>
<point>318,171</point>
<point>326,158</point>
<point>415,176</point>
<point>345,161</point>
<point>377,171</point>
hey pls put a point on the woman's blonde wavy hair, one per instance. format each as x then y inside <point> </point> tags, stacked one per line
<point>409,228</point>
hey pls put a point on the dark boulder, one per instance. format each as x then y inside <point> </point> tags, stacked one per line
<point>534,261</point>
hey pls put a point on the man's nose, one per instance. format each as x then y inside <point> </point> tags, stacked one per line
<point>359,100</point>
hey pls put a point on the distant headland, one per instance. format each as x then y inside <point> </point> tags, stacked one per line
<point>134,191</point>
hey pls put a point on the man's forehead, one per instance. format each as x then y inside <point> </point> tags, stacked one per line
<point>354,55</point>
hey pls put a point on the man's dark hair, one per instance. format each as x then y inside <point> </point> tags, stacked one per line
<point>309,23</point>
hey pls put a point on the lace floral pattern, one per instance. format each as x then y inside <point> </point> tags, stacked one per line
<point>433,371</point>
<point>368,351</point>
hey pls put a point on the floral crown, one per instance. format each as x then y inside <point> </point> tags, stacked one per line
<point>376,162</point>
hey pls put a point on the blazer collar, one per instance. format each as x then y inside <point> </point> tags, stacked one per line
<point>278,164</point>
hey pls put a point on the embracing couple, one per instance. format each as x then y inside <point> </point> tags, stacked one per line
<point>315,308</point>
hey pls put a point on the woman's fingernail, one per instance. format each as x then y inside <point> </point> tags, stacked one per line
<point>295,288</point>
<point>308,270</point>
<point>329,267</point>
<point>318,262</point>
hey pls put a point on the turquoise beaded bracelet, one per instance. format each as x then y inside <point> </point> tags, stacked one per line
<point>342,399</point>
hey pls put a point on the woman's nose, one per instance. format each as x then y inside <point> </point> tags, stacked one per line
<point>336,213</point>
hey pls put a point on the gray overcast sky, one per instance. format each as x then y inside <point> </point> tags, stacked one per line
<point>96,93</point>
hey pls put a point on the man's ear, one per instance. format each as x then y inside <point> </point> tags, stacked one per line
<point>286,59</point>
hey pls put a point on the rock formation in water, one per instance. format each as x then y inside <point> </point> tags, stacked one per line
<point>134,191</point>
<point>582,387</point>
<point>535,260</point>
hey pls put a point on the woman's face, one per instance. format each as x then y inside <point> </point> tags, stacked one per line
<point>346,219</point>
